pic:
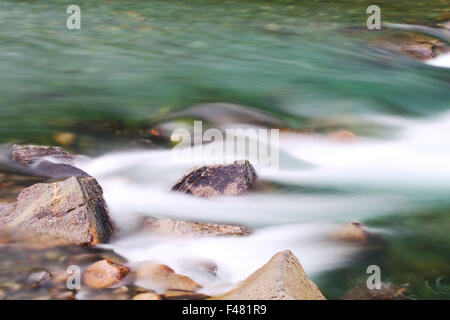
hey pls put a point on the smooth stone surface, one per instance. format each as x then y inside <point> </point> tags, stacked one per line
<point>161,278</point>
<point>104,274</point>
<point>353,232</point>
<point>282,278</point>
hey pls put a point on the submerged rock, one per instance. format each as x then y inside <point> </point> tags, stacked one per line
<point>29,154</point>
<point>104,274</point>
<point>42,161</point>
<point>282,278</point>
<point>414,45</point>
<point>354,232</point>
<point>419,50</point>
<point>387,292</point>
<point>178,228</point>
<point>160,277</point>
<point>215,180</point>
<point>68,212</point>
<point>220,114</point>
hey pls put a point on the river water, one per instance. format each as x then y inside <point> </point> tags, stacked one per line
<point>309,65</point>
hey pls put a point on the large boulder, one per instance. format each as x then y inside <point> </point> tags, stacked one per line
<point>68,212</point>
<point>282,278</point>
<point>179,228</point>
<point>216,180</point>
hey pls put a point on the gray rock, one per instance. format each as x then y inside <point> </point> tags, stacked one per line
<point>215,180</point>
<point>42,161</point>
<point>29,154</point>
<point>68,212</point>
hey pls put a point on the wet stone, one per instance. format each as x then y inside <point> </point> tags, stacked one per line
<point>68,212</point>
<point>104,274</point>
<point>179,228</point>
<point>216,180</point>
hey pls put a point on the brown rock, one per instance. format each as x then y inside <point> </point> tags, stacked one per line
<point>352,232</point>
<point>68,212</point>
<point>147,296</point>
<point>171,227</point>
<point>282,278</point>
<point>419,50</point>
<point>387,292</point>
<point>184,295</point>
<point>104,274</point>
<point>161,277</point>
<point>215,180</point>
<point>66,295</point>
<point>148,271</point>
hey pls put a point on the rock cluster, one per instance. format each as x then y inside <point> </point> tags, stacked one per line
<point>71,213</point>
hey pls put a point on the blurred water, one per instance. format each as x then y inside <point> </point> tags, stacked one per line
<point>347,181</point>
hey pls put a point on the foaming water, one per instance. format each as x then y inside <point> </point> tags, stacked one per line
<point>343,181</point>
<point>442,60</point>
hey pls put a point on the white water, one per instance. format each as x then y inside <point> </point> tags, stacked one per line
<point>442,60</point>
<point>373,177</point>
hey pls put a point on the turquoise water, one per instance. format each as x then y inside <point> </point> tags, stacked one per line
<point>308,63</point>
<point>131,61</point>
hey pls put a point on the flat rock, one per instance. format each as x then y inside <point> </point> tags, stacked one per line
<point>68,212</point>
<point>215,180</point>
<point>104,274</point>
<point>42,161</point>
<point>178,228</point>
<point>184,295</point>
<point>29,154</point>
<point>282,278</point>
